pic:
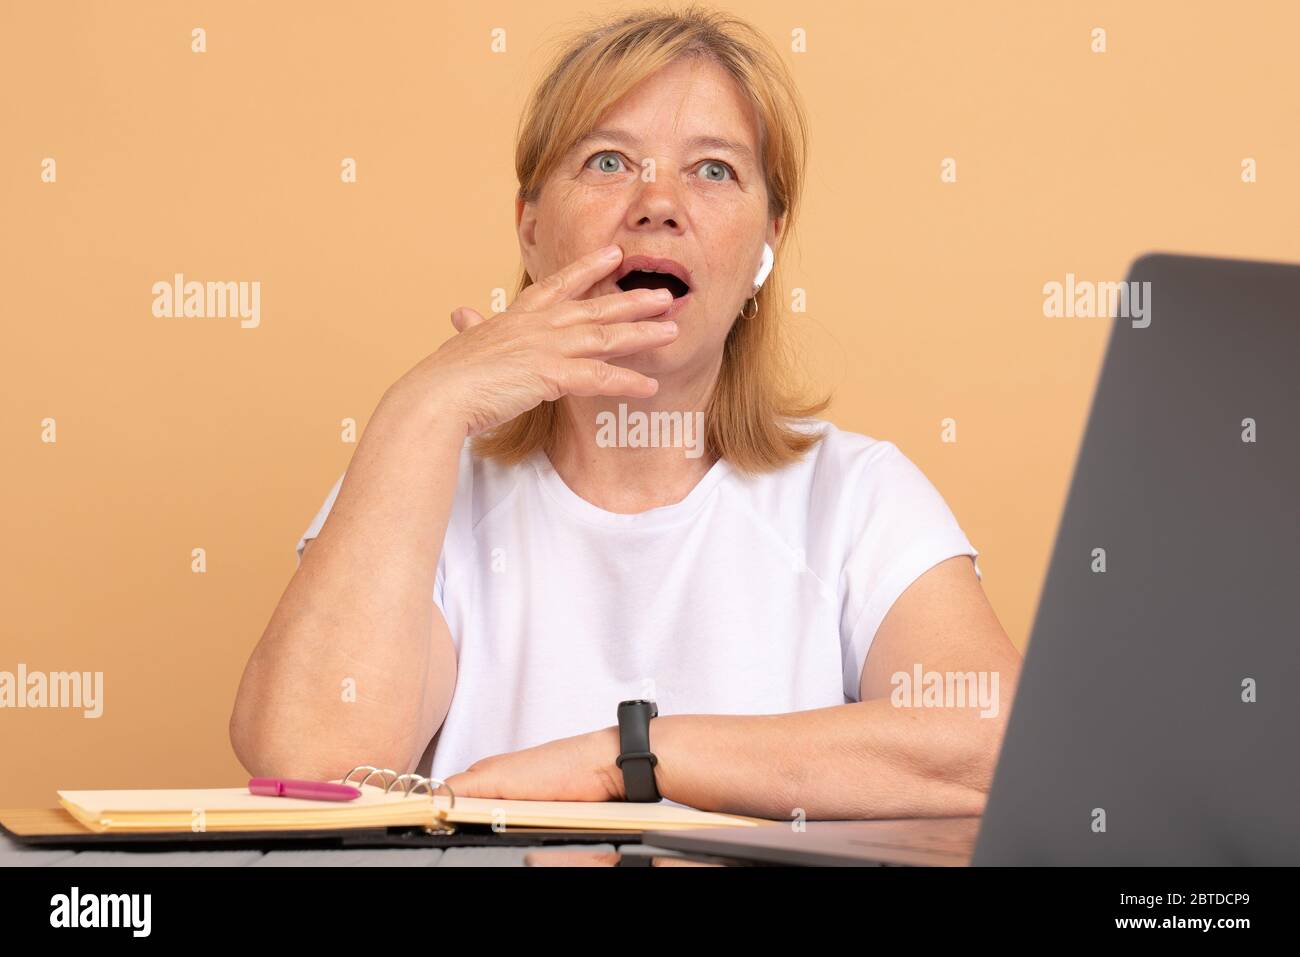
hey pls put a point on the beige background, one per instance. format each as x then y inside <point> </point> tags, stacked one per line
<point>924,298</point>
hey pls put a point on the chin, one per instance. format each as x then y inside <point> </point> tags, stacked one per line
<point>664,360</point>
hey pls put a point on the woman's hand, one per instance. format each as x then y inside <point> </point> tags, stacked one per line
<point>545,345</point>
<point>580,768</point>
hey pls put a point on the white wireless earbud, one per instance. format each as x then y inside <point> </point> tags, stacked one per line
<point>764,268</point>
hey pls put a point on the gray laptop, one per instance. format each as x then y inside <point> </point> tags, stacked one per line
<point>1157,719</point>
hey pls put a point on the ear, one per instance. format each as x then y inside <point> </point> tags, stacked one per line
<point>526,227</point>
<point>775,230</point>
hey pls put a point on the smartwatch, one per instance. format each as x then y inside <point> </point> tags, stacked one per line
<point>635,759</point>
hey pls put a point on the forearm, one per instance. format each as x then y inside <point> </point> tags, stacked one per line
<point>348,647</point>
<point>863,760</point>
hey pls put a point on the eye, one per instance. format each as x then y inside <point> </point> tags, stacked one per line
<point>601,165</point>
<point>717,166</point>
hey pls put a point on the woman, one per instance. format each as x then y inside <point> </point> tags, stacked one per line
<point>769,585</point>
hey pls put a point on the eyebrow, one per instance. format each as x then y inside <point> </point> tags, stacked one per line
<point>695,142</point>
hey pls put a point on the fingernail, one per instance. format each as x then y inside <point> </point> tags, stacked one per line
<point>670,326</point>
<point>610,252</point>
<point>664,294</point>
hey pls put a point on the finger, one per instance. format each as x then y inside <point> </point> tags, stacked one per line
<point>613,307</point>
<point>463,317</point>
<point>595,341</point>
<point>469,784</point>
<point>587,377</point>
<point>570,281</point>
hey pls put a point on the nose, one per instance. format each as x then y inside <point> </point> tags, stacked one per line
<point>656,203</point>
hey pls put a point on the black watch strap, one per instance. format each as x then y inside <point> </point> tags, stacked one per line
<point>635,759</point>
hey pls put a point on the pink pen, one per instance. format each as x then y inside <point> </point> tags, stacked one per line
<point>310,790</point>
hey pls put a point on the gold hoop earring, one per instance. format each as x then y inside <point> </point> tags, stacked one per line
<point>750,315</point>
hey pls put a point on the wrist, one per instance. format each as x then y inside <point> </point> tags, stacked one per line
<point>609,746</point>
<point>431,410</point>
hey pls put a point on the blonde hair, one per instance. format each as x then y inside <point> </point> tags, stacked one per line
<point>748,417</point>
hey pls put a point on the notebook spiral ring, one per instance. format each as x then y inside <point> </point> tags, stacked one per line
<point>409,783</point>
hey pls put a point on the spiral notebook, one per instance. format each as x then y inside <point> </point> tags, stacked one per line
<point>395,801</point>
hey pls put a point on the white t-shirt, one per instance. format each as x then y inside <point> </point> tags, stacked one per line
<point>752,595</point>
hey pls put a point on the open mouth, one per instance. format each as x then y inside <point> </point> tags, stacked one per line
<point>645,279</point>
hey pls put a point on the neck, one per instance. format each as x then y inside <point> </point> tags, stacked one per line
<point>631,455</point>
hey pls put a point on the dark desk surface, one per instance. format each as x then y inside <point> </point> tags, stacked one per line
<point>13,854</point>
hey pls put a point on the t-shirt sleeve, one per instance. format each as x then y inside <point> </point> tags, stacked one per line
<point>906,528</point>
<point>314,528</point>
